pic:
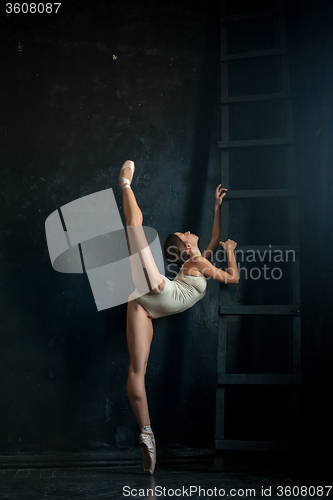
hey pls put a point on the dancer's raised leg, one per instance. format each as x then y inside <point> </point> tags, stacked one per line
<point>137,240</point>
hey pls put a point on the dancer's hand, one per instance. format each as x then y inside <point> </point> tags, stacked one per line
<point>228,245</point>
<point>219,195</point>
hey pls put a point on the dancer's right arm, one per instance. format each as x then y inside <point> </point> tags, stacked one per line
<point>210,271</point>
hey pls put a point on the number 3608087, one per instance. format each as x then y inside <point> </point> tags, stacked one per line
<point>32,8</point>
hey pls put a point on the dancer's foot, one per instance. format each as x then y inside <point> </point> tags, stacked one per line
<point>148,446</point>
<point>126,174</point>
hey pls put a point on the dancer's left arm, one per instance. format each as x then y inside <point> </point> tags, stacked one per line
<point>216,231</point>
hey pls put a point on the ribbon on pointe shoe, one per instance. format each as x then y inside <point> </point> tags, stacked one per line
<point>148,445</point>
<point>123,182</point>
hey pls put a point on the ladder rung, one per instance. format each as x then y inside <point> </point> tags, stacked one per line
<point>249,15</point>
<point>265,248</point>
<point>259,379</point>
<point>269,309</point>
<point>255,97</point>
<point>256,142</point>
<point>260,193</point>
<point>232,444</point>
<point>257,53</point>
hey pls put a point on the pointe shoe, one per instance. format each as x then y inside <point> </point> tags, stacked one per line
<point>148,446</point>
<point>123,182</point>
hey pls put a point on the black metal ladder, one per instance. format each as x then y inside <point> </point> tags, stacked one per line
<point>294,377</point>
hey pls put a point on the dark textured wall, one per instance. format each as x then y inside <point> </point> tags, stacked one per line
<point>81,91</point>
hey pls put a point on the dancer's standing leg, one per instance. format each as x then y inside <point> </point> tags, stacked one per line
<point>139,334</point>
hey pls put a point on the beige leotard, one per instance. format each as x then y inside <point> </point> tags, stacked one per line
<point>178,295</point>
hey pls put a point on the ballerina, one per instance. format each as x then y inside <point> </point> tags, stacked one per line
<point>165,297</point>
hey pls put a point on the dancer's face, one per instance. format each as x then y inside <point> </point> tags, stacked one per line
<point>188,238</point>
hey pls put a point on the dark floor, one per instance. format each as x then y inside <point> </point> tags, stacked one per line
<point>279,480</point>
